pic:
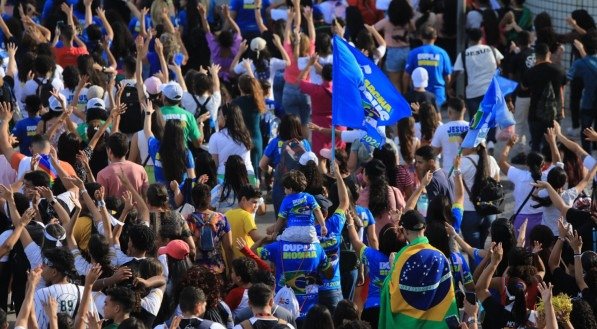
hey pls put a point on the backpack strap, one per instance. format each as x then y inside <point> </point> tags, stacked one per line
<point>522,205</point>
<point>463,56</point>
<point>201,108</point>
<point>470,195</point>
<point>205,324</point>
<point>246,324</point>
<point>146,160</point>
<point>78,301</point>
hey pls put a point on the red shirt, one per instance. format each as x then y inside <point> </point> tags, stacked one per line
<point>135,173</point>
<point>67,56</point>
<point>292,71</point>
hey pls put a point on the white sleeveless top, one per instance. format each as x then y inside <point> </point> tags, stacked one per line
<point>143,148</point>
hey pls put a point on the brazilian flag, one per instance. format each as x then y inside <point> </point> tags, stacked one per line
<point>418,293</point>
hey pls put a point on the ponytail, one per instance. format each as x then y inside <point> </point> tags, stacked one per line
<point>535,162</point>
<point>515,293</point>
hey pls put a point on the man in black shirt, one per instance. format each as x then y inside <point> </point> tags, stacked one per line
<point>536,80</point>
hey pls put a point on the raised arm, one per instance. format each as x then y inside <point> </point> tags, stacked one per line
<point>27,308</point>
<point>411,203</point>
<point>241,50</point>
<point>576,244</point>
<point>88,12</point>
<point>376,35</point>
<point>203,17</point>
<point>503,159</point>
<point>308,12</point>
<point>5,118</point>
<point>556,251</point>
<point>554,196</point>
<point>585,181</point>
<point>482,287</point>
<point>138,199</point>
<point>101,13</point>
<point>550,136</point>
<point>141,53</point>
<point>11,69</point>
<point>148,109</point>
<point>353,236</point>
<point>230,20</point>
<point>90,278</point>
<point>159,50</point>
<point>572,146</point>
<point>458,183</point>
<point>258,18</point>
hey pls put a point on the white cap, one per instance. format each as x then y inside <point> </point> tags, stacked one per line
<point>172,91</point>
<point>308,156</point>
<point>258,44</point>
<point>96,103</point>
<point>55,104</point>
<point>95,92</point>
<point>420,77</point>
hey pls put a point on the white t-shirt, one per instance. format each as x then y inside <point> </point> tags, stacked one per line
<point>331,9</point>
<point>222,145</point>
<point>7,175</point>
<point>81,103</point>
<point>313,75</point>
<point>275,65</point>
<point>480,68</point>
<point>469,170</point>
<point>522,187</point>
<point>551,213</point>
<point>30,88</point>
<point>189,104</point>
<point>67,297</point>
<point>448,137</point>
<point>254,319</point>
<point>214,325</point>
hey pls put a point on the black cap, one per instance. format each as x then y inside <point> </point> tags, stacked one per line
<point>323,202</point>
<point>412,220</point>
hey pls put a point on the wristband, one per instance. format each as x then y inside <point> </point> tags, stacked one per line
<point>577,255</point>
<point>349,225</point>
<point>101,204</point>
<point>147,113</point>
<point>53,201</point>
<point>82,191</point>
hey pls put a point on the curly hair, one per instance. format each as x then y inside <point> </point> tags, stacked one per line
<point>295,180</point>
<point>205,279</point>
<point>244,268</point>
<point>62,260</point>
<point>314,178</point>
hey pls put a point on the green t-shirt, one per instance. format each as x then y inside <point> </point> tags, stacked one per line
<point>191,130</point>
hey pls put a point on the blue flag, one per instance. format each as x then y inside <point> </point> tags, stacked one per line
<point>364,98</point>
<point>492,112</point>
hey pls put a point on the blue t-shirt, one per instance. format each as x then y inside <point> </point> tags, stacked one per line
<point>273,150</point>
<point>135,25</point>
<point>298,209</point>
<point>586,69</point>
<point>331,246</point>
<point>460,270</point>
<point>367,218</point>
<point>298,265</point>
<point>154,148</point>
<point>378,268</point>
<point>245,14</point>
<point>437,63</point>
<point>24,130</point>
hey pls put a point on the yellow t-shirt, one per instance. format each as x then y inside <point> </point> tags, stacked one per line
<point>241,223</point>
<point>82,232</point>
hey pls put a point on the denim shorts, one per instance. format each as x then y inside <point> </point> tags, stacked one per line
<point>396,59</point>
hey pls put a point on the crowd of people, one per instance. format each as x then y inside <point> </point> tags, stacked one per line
<point>141,139</point>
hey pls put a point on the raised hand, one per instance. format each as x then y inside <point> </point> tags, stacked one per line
<point>243,47</point>
<point>94,273</point>
<point>34,276</point>
<point>127,198</point>
<point>201,9</point>
<point>5,111</point>
<point>214,69</point>
<point>590,134</point>
<point>450,229</point>
<point>82,158</point>
<point>427,178</point>
<point>497,252</point>
<point>537,247</point>
<point>45,192</point>
<point>6,192</point>
<point>11,49</point>
<point>99,194</point>
<point>575,241</point>
<point>546,291</point>
<point>148,107</point>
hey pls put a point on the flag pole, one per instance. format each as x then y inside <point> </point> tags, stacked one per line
<point>332,166</point>
<point>452,169</point>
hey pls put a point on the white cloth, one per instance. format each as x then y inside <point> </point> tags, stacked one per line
<point>67,297</point>
<point>7,175</point>
<point>313,75</point>
<point>522,187</point>
<point>254,319</point>
<point>189,104</point>
<point>551,213</point>
<point>30,88</point>
<point>448,137</point>
<point>222,145</point>
<point>143,148</point>
<point>480,68</point>
<point>469,170</point>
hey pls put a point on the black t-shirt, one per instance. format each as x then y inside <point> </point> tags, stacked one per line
<point>519,64</point>
<point>421,97</point>
<point>563,283</point>
<point>496,315</point>
<point>583,223</point>
<point>536,78</point>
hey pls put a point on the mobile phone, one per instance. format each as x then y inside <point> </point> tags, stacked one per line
<point>471,297</point>
<point>459,299</point>
<point>452,322</point>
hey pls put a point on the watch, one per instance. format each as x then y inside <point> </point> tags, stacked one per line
<point>471,320</point>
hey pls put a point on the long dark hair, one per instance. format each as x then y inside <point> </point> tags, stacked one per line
<point>260,59</point>
<point>482,170</point>
<point>378,187</point>
<point>314,178</point>
<point>438,236</point>
<point>440,210</point>
<point>535,162</point>
<point>519,308</point>
<point>236,125</point>
<point>290,128</point>
<point>251,87</point>
<point>429,121</point>
<point>557,178</point>
<point>173,150</point>
<point>501,230</point>
<point>323,44</point>
<point>406,137</point>
<point>572,164</point>
<point>235,177</point>
<point>123,44</point>
<point>387,156</point>
<point>69,145</point>
<point>425,8</point>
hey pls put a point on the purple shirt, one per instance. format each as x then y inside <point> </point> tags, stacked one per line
<point>224,62</point>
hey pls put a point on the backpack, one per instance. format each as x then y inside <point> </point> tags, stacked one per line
<point>131,121</point>
<point>286,298</point>
<point>548,105</point>
<point>248,325</point>
<point>263,72</point>
<point>490,195</point>
<point>201,109</point>
<point>193,323</point>
<point>206,238</point>
<point>290,153</point>
<point>44,90</point>
<point>349,260</point>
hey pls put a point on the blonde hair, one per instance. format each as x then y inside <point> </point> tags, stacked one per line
<point>156,11</point>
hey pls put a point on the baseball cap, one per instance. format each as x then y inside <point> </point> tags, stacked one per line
<point>95,92</point>
<point>55,104</point>
<point>153,85</point>
<point>258,44</point>
<point>176,249</point>
<point>323,202</point>
<point>420,77</point>
<point>308,156</point>
<point>172,91</point>
<point>96,103</point>
<point>412,220</point>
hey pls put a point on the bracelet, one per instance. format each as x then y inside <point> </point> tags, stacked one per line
<point>53,201</point>
<point>101,204</point>
<point>562,239</point>
<point>577,255</point>
<point>349,225</point>
<point>83,191</point>
<point>147,113</point>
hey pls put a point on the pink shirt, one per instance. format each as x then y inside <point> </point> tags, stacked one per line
<point>395,201</point>
<point>292,71</point>
<point>135,173</point>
